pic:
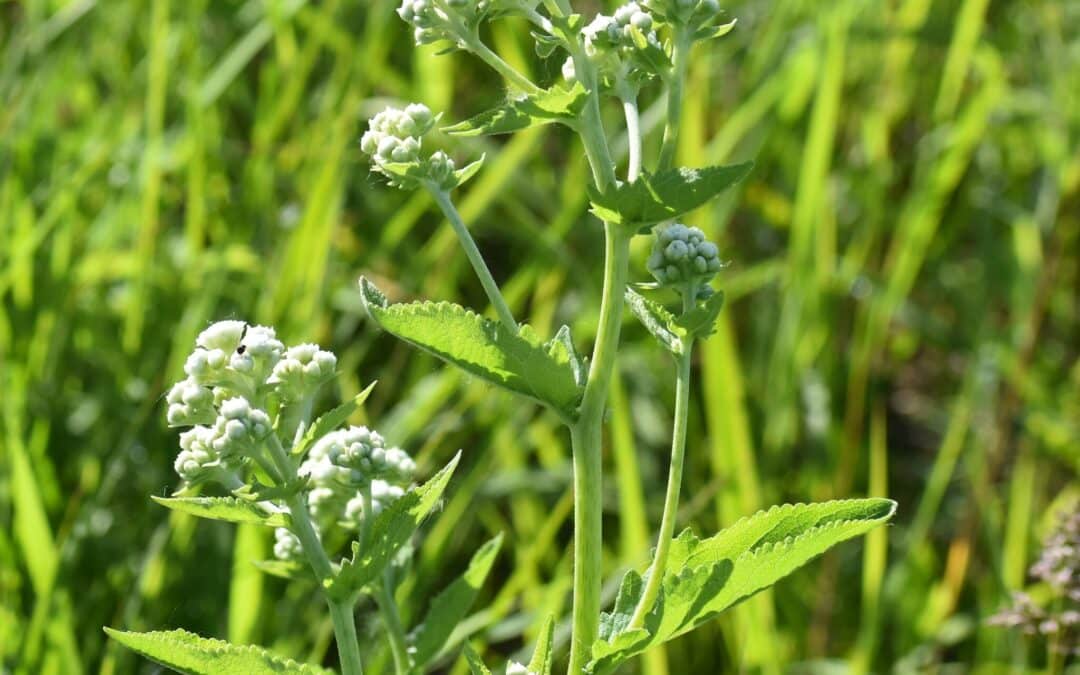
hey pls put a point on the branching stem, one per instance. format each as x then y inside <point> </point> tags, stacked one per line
<point>442,198</point>
<point>633,136</point>
<point>680,58</point>
<point>341,611</point>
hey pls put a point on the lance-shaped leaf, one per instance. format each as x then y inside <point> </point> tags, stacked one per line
<point>663,196</point>
<point>293,570</point>
<point>331,420</point>
<point>707,576</point>
<point>519,362</point>
<point>558,104</point>
<point>451,605</point>
<point>189,653</point>
<point>476,664</point>
<point>543,655</point>
<point>391,529</point>
<point>229,509</point>
<point>701,321</point>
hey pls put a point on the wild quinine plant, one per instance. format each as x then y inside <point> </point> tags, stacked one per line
<point>345,507</point>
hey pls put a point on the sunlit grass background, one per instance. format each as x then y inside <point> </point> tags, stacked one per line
<point>903,318</point>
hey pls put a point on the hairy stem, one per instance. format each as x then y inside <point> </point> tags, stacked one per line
<point>340,610</point>
<point>442,198</point>
<point>671,500</point>
<point>394,630</point>
<point>587,441</point>
<point>680,57</point>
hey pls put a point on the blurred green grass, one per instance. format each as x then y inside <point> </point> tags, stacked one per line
<point>904,315</point>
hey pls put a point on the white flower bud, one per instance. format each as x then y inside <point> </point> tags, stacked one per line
<point>287,545</point>
<point>223,335</point>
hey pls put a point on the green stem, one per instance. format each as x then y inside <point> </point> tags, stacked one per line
<point>587,441</point>
<point>509,73</point>
<point>671,500</point>
<point>680,58</point>
<point>442,198</point>
<point>341,612</point>
<point>394,630</point>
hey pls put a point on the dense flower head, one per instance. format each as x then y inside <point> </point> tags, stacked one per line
<point>190,403</point>
<point>301,370</point>
<point>287,545</point>
<point>234,355</point>
<point>682,256</point>
<point>617,46</point>
<point>395,144</point>
<point>356,456</point>
<point>382,495</point>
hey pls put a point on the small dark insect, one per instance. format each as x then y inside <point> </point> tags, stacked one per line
<point>242,348</point>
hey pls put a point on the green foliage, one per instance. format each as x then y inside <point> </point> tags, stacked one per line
<point>558,104</point>
<point>706,577</point>
<point>543,654</point>
<point>331,420</point>
<point>193,655</point>
<point>669,330</point>
<point>451,605</point>
<point>669,194</point>
<point>545,372</point>
<point>229,509</point>
<point>476,664</point>
<point>391,528</point>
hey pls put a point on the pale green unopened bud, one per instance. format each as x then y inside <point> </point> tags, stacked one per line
<point>681,255</point>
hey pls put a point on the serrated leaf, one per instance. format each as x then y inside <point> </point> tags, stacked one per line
<point>189,653</point>
<point>660,323</point>
<point>701,321</point>
<point>451,605</point>
<point>706,577</point>
<point>561,348</point>
<point>476,664</point>
<point>391,529</point>
<point>331,420</point>
<point>557,104</point>
<point>543,654</point>
<point>468,171</point>
<point>663,196</point>
<point>229,509</point>
<point>521,363</point>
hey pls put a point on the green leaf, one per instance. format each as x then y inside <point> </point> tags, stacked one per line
<point>713,32</point>
<point>390,530</point>
<point>557,104</point>
<point>188,653</point>
<point>522,363</point>
<point>476,664</point>
<point>543,654</point>
<point>706,577</point>
<point>701,321</point>
<point>657,320</point>
<point>332,420</point>
<point>663,196</point>
<point>229,509</point>
<point>452,604</point>
<point>286,569</point>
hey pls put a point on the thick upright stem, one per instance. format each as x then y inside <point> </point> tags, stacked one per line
<point>442,198</point>
<point>509,73</point>
<point>341,612</point>
<point>680,60</point>
<point>587,440</point>
<point>671,500</point>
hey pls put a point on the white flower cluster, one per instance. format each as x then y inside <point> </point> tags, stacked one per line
<point>616,45</point>
<point>233,365</point>
<point>451,20</point>
<point>515,668</point>
<point>234,355</point>
<point>206,450</point>
<point>394,141</point>
<point>343,464</point>
<point>681,255</point>
<point>301,371</point>
<point>287,545</point>
<point>356,456</point>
